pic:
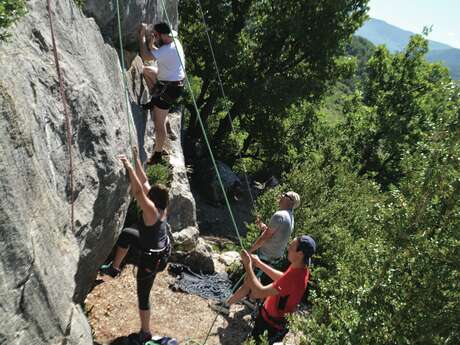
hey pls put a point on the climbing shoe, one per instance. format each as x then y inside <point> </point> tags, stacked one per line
<point>139,338</point>
<point>220,307</point>
<point>250,304</point>
<point>172,136</point>
<point>157,157</point>
<point>109,270</point>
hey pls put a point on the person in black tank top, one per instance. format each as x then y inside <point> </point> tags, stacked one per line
<point>149,238</point>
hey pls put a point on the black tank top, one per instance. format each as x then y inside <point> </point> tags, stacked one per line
<point>153,236</point>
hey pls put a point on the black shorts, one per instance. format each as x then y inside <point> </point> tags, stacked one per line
<point>166,93</point>
<point>261,326</point>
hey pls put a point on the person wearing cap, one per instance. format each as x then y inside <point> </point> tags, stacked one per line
<point>166,82</point>
<point>270,245</point>
<point>284,294</point>
<point>274,237</point>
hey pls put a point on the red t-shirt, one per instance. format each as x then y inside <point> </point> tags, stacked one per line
<point>291,288</point>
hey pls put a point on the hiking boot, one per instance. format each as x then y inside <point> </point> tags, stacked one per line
<point>109,270</point>
<point>157,157</point>
<point>250,304</point>
<point>220,307</point>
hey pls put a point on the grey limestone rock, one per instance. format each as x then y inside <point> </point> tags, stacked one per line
<point>198,259</point>
<point>133,13</point>
<point>228,258</point>
<point>186,239</point>
<point>182,209</point>
<point>45,269</point>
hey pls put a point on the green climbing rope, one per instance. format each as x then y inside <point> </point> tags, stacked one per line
<point>125,83</point>
<point>205,136</point>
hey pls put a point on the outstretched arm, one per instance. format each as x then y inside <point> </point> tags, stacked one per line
<point>140,171</point>
<point>143,50</point>
<point>257,289</point>
<point>150,212</point>
<point>268,270</point>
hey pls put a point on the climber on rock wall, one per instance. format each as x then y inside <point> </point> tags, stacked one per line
<point>149,238</point>
<point>165,81</point>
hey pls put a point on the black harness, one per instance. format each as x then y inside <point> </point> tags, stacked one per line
<point>156,259</point>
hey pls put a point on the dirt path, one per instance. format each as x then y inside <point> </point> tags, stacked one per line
<point>112,312</point>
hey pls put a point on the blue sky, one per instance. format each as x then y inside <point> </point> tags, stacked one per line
<point>413,15</point>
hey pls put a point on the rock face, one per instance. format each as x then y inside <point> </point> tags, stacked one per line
<point>199,259</point>
<point>45,269</point>
<point>134,12</point>
<point>182,204</point>
<point>182,209</point>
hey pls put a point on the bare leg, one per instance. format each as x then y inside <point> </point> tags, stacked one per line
<point>159,119</point>
<point>242,292</point>
<point>150,76</point>
<point>119,256</point>
<point>145,320</point>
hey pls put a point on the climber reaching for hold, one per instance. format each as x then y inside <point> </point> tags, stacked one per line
<point>149,238</point>
<point>166,80</point>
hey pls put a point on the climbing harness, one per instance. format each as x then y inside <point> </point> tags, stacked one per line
<point>67,117</point>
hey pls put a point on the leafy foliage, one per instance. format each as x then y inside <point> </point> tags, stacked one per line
<point>380,194</point>
<point>270,55</point>
<point>401,100</point>
<point>371,142</point>
<point>10,12</point>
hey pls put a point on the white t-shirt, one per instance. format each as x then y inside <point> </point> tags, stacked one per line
<point>169,65</point>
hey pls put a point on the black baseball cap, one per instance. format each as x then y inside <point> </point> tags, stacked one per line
<point>308,247</point>
<point>162,28</point>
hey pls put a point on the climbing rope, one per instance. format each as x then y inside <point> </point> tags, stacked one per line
<point>204,134</point>
<point>125,83</point>
<point>224,96</point>
<point>212,159</point>
<point>67,117</point>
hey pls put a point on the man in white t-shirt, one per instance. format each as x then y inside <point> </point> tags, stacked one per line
<point>165,81</point>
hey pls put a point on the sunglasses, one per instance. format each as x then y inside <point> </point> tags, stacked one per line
<point>285,195</point>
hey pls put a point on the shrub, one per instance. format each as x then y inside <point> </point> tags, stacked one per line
<point>10,12</point>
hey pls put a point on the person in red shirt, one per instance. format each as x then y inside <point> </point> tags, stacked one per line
<point>284,294</point>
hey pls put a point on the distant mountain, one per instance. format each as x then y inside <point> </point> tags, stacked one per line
<point>449,57</point>
<point>380,32</point>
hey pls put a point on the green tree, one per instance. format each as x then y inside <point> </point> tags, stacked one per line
<point>401,97</point>
<point>10,12</point>
<point>272,55</point>
<point>388,263</point>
